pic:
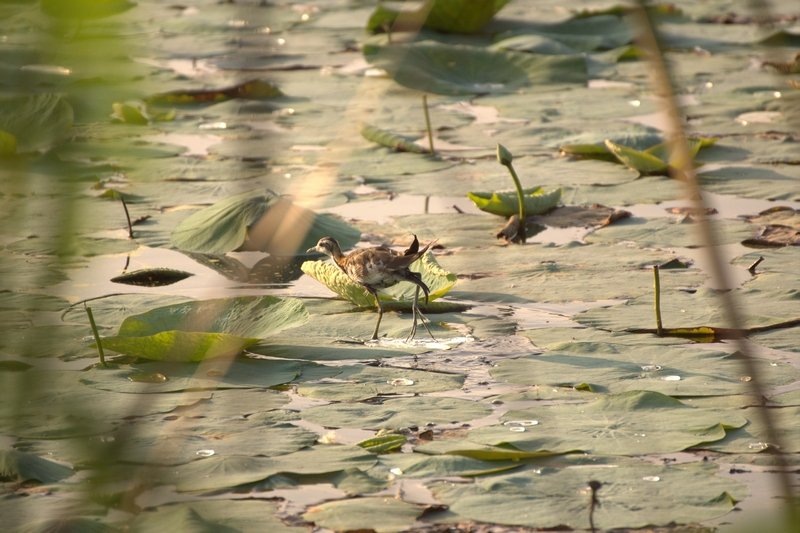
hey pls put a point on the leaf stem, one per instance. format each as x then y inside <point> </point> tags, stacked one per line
<point>505,158</point>
<point>127,216</point>
<point>96,335</point>
<point>428,123</point>
<point>657,304</point>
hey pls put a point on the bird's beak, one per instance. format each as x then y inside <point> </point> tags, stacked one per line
<point>312,249</point>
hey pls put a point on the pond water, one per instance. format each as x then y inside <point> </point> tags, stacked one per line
<point>241,391</point>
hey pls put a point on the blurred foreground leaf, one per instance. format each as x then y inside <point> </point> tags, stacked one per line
<point>258,221</point>
<point>194,331</point>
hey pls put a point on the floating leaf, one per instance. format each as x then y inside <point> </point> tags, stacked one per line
<point>459,69</point>
<point>643,162</point>
<point>391,140</point>
<point>136,112</point>
<point>438,280</point>
<point>152,277</point>
<point>221,516</point>
<point>194,331</point>
<point>397,413</point>
<point>260,221</point>
<point>378,514</point>
<point>628,423</point>
<point>222,472</point>
<point>252,90</point>
<point>537,201</point>
<point>450,16</point>
<point>20,466</point>
<point>383,443</point>
<point>584,34</point>
<point>37,122</point>
<point>633,494</point>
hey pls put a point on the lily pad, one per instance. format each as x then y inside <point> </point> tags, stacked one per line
<point>579,34</point>
<point>397,413</point>
<point>451,16</point>
<point>537,201</point>
<point>361,383</point>
<point>19,466</point>
<point>629,423</point>
<point>609,366</point>
<point>633,494</point>
<point>222,472</point>
<point>260,221</point>
<point>460,70</point>
<point>644,163</point>
<point>223,516</point>
<point>438,280</point>
<point>379,514</point>
<point>194,331</point>
<point>391,140</point>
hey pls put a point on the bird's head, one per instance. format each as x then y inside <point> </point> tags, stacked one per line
<point>327,246</point>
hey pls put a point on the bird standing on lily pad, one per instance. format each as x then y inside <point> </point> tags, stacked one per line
<point>379,268</point>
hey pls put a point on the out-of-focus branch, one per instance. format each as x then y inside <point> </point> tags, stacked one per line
<point>682,168</point>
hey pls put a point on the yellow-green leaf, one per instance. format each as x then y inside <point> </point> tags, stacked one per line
<point>537,201</point>
<point>643,162</point>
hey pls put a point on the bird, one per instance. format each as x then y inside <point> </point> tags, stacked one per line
<point>378,268</point>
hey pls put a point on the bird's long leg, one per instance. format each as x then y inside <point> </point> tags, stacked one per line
<point>380,312</point>
<point>414,313</point>
<point>417,313</point>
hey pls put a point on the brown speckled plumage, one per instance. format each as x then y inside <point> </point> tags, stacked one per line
<point>378,268</point>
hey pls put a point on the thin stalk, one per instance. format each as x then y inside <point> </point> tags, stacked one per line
<point>657,304</point>
<point>506,159</point>
<point>127,216</point>
<point>428,123</point>
<point>752,268</point>
<point>684,171</point>
<point>96,335</point>
<point>594,502</point>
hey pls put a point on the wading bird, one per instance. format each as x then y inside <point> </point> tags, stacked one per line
<point>379,268</point>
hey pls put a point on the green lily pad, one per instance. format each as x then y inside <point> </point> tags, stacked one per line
<point>222,516</point>
<point>537,201</point>
<point>643,162</point>
<point>754,438</point>
<point>223,472</point>
<point>361,383</point>
<point>629,423</point>
<point>383,443</point>
<point>20,467</point>
<point>459,69</point>
<point>194,331</point>
<point>379,514</point>
<point>649,365</point>
<point>258,221</point>
<point>438,280</point>
<point>397,413</point>
<point>580,34</point>
<point>418,465</point>
<point>242,373</point>
<point>391,140</point>
<point>450,16</point>
<point>632,494</point>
